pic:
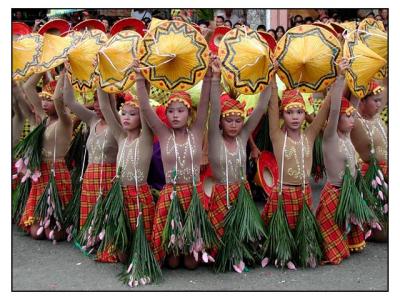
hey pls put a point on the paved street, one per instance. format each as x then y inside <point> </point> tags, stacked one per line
<point>40,265</point>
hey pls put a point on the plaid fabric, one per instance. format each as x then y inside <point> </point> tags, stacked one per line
<point>355,239</point>
<point>148,207</point>
<point>64,187</point>
<point>14,182</point>
<point>184,192</point>
<point>91,186</point>
<point>381,164</point>
<point>335,247</point>
<point>218,209</point>
<point>292,203</point>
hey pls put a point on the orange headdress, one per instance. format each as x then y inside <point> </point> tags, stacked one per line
<point>374,88</point>
<point>292,99</point>
<point>48,90</point>
<point>346,107</point>
<point>183,97</point>
<point>230,106</point>
<point>129,99</point>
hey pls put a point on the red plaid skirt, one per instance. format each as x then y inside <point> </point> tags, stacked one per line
<point>91,186</point>
<point>218,209</point>
<point>292,203</point>
<point>148,207</point>
<point>15,181</point>
<point>382,164</point>
<point>184,192</point>
<point>355,239</point>
<point>63,183</point>
<point>335,246</point>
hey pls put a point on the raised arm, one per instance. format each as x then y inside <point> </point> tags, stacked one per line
<point>385,94</point>
<point>258,112</point>
<point>32,95</point>
<point>156,125</point>
<point>113,103</point>
<point>63,115</point>
<point>273,113</point>
<point>215,113</point>
<point>86,115</point>
<point>202,108</point>
<point>25,107</point>
<point>112,122</point>
<point>336,99</point>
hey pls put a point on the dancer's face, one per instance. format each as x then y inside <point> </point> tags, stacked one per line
<point>346,122</point>
<point>48,107</point>
<point>97,110</point>
<point>177,114</point>
<point>232,125</point>
<point>130,117</point>
<point>293,118</point>
<point>370,105</point>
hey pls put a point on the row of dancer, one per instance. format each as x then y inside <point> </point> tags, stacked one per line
<point>125,139</point>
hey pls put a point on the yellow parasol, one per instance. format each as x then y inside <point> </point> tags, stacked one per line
<point>308,57</point>
<point>247,61</point>
<point>174,56</point>
<point>54,51</point>
<point>369,23</point>
<point>364,63</point>
<point>115,62</point>
<point>25,55</point>
<point>82,60</point>
<point>376,40</point>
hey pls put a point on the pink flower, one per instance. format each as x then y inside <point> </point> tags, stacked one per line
<point>15,176</point>
<point>291,266</point>
<point>130,283</point>
<point>211,259</point>
<point>378,227</point>
<point>172,239</point>
<point>19,164</point>
<point>69,238</point>
<point>129,268</point>
<point>380,174</point>
<point>205,257</point>
<point>368,234</point>
<point>39,231</point>
<point>51,235</point>
<point>36,175</point>
<point>26,161</point>
<point>380,194</point>
<point>241,265</point>
<point>373,183</point>
<point>237,268</point>
<point>386,208</point>
<point>172,224</point>
<point>312,262</point>
<point>196,255</point>
<point>47,224</point>
<point>264,262</point>
<point>26,176</point>
<point>378,180</point>
<point>102,234</point>
<point>142,281</point>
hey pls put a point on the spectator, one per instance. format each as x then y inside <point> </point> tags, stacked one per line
<point>272,32</point>
<point>18,16</point>
<point>140,13</point>
<point>86,15</point>
<point>322,12</point>
<point>297,20</point>
<point>219,21</point>
<point>237,25</point>
<point>324,19</point>
<point>228,23</point>
<point>146,21</point>
<point>308,20</point>
<point>204,27</point>
<point>371,15</point>
<point>280,31</point>
<point>105,21</point>
<point>261,28</point>
<point>378,18</point>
